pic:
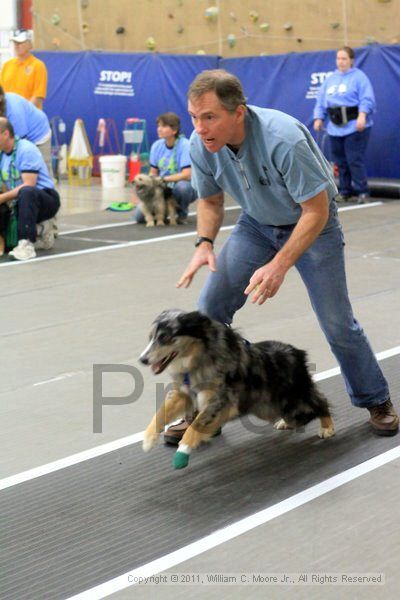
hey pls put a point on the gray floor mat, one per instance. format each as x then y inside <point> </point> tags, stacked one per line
<point>78,527</point>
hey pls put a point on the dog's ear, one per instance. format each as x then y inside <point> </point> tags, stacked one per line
<point>193,324</point>
<point>169,314</point>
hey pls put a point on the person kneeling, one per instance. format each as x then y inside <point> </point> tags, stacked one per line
<point>170,160</point>
<point>30,191</point>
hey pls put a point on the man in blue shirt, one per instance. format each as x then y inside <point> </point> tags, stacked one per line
<point>270,164</point>
<point>28,121</point>
<point>30,189</point>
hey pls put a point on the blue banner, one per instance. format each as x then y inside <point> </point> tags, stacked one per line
<point>94,85</point>
<point>290,83</point>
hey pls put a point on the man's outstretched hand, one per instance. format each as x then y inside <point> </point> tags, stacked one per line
<point>203,255</point>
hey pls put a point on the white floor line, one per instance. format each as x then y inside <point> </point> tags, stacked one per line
<point>93,240</point>
<point>67,375</point>
<point>336,370</point>
<point>193,214</point>
<point>68,461</point>
<point>359,206</point>
<point>126,223</point>
<point>75,459</point>
<point>226,534</point>
<point>96,227</point>
<point>167,238</point>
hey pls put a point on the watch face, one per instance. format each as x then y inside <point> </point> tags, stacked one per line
<point>201,239</point>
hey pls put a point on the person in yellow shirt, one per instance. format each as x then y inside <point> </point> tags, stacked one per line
<point>25,74</point>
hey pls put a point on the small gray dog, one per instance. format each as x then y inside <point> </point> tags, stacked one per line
<point>156,200</point>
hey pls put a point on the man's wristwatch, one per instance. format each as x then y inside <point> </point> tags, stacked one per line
<point>202,239</point>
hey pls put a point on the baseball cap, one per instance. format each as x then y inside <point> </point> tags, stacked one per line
<point>21,35</point>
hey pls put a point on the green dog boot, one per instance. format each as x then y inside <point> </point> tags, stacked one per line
<point>181,460</point>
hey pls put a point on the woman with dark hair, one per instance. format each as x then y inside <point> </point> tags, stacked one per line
<point>347,99</point>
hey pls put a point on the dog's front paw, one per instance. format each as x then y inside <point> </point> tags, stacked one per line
<point>149,441</point>
<point>281,425</point>
<point>150,224</point>
<point>173,221</point>
<point>180,460</point>
<point>160,223</point>
<point>326,432</point>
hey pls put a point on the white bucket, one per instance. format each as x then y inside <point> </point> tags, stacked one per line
<point>113,171</point>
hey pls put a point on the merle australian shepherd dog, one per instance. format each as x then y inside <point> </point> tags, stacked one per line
<point>218,374</point>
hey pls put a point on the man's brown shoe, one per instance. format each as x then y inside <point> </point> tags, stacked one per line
<point>175,433</point>
<point>384,419</point>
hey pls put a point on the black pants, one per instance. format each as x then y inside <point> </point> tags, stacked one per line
<point>34,206</point>
<point>348,152</point>
<point>4,218</point>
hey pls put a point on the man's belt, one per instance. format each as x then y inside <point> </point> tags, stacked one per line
<point>340,115</point>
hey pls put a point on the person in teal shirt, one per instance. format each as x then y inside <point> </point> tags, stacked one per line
<point>30,190</point>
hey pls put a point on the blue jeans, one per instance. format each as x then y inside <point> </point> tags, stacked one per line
<point>183,193</point>
<point>321,267</point>
<point>348,153</point>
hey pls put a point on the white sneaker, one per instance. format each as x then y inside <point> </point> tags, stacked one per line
<point>46,232</point>
<point>24,251</point>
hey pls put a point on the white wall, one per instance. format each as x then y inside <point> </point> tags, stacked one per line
<point>8,22</point>
<point>8,14</point>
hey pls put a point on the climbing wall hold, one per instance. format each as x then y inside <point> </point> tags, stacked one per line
<point>253,15</point>
<point>231,39</point>
<point>151,43</point>
<point>211,13</point>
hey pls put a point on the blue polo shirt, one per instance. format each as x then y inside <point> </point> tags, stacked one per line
<point>25,158</point>
<point>27,120</point>
<point>278,166</point>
